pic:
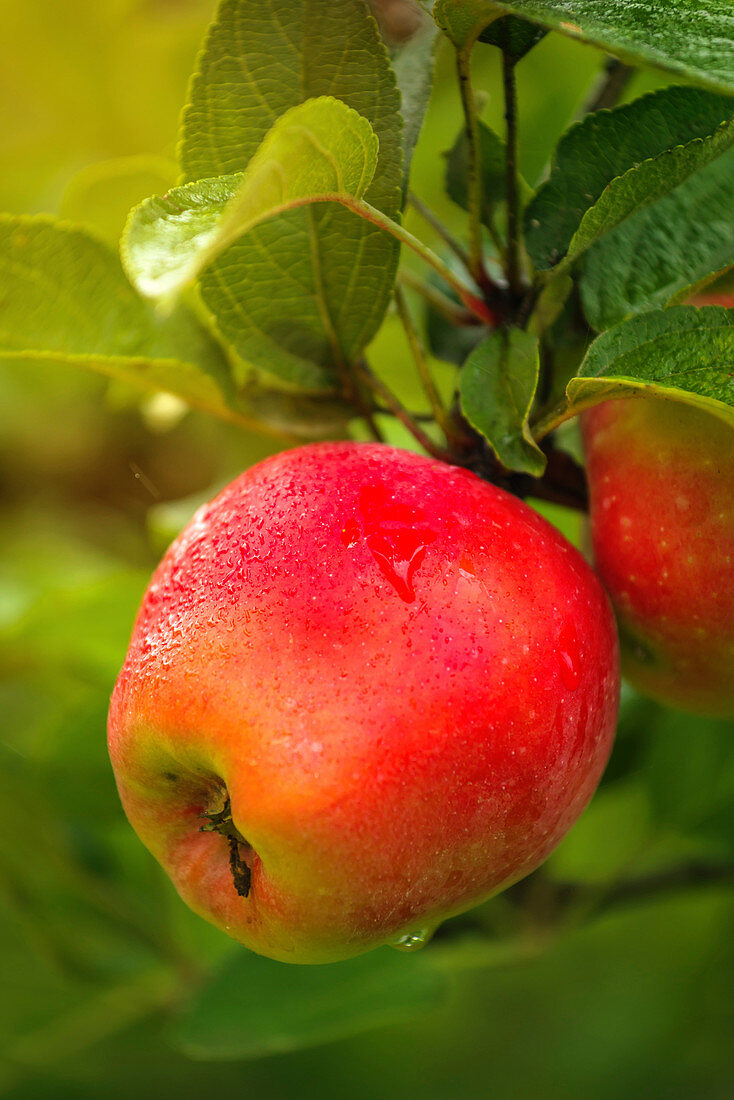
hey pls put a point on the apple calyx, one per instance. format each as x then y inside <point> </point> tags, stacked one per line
<point>220,821</point>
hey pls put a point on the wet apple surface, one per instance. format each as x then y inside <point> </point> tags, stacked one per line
<point>365,691</point>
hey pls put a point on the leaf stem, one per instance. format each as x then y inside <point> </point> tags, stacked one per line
<point>549,420</point>
<point>447,307</point>
<point>512,256</point>
<point>443,232</point>
<point>440,412</point>
<point>401,413</point>
<point>365,210</point>
<point>474,184</point>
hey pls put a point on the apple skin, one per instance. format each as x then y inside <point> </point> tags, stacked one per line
<point>661,481</point>
<point>406,680</point>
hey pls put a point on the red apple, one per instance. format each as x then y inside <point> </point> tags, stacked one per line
<point>386,688</point>
<point>661,479</point>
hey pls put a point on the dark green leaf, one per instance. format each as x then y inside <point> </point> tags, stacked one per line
<point>660,252</point>
<point>492,166</point>
<point>615,162</point>
<point>682,353</point>
<point>498,383</point>
<point>309,288</point>
<point>688,37</point>
<point>513,36</point>
<point>257,1007</point>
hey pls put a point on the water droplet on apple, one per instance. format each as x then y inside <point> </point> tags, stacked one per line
<point>412,941</point>
<point>397,536</point>
<point>569,655</point>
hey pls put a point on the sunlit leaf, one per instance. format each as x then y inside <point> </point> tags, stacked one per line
<point>317,149</point>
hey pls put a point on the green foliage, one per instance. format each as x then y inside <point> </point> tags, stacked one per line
<point>66,300</point>
<point>319,148</point>
<point>492,167</point>
<point>100,196</point>
<point>681,353</point>
<point>462,21</point>
<point>111,988</point>
<point>686,242</point>
<point>498,386</point>
<point>683,36</point>
<point>310,287</point>
<point>255,1007</point>
<point>413,68</point>
<point>616,162</point>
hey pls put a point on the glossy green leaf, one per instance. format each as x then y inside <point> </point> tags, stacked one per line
<point>256,1007</point>
<point>663,251</point>
<point>688,37</point>
<point>307,290</point>
<point>615,162</point>
<point>65,299</point>
<point>682,353</point>
<point>498,383</point>
<point>513,36</point>
<point>462,21</point>
<point>317,149</point>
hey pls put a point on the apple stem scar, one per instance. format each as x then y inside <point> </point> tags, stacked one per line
<point>220,821</point>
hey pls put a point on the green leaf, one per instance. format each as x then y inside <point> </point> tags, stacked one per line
<point>319,148</point>
<point>498,383</point>
<point>413,66</point>
<point>256,1007</point>
<point>682,353</point>
<point>513,36</point>
<point>687,37</point>
<point>462,21</point>
<point>663,251</point>
<point>65,299</point>
<point>697,799</point>
<point>307,290</point>
<point>615,162</point>
<point>492,168</point>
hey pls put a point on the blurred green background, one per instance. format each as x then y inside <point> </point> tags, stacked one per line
<point>105,977</point>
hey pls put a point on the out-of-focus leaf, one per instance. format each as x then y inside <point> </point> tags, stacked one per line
<point>613,163</point>
<point>462,21</point>
<point>65,299</point>
<point>256,1007</point>
<point>413,66</point>
<point>101,195</point>
<point>492,169</point>
<point>697,798</point>
<point>663,251</point>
